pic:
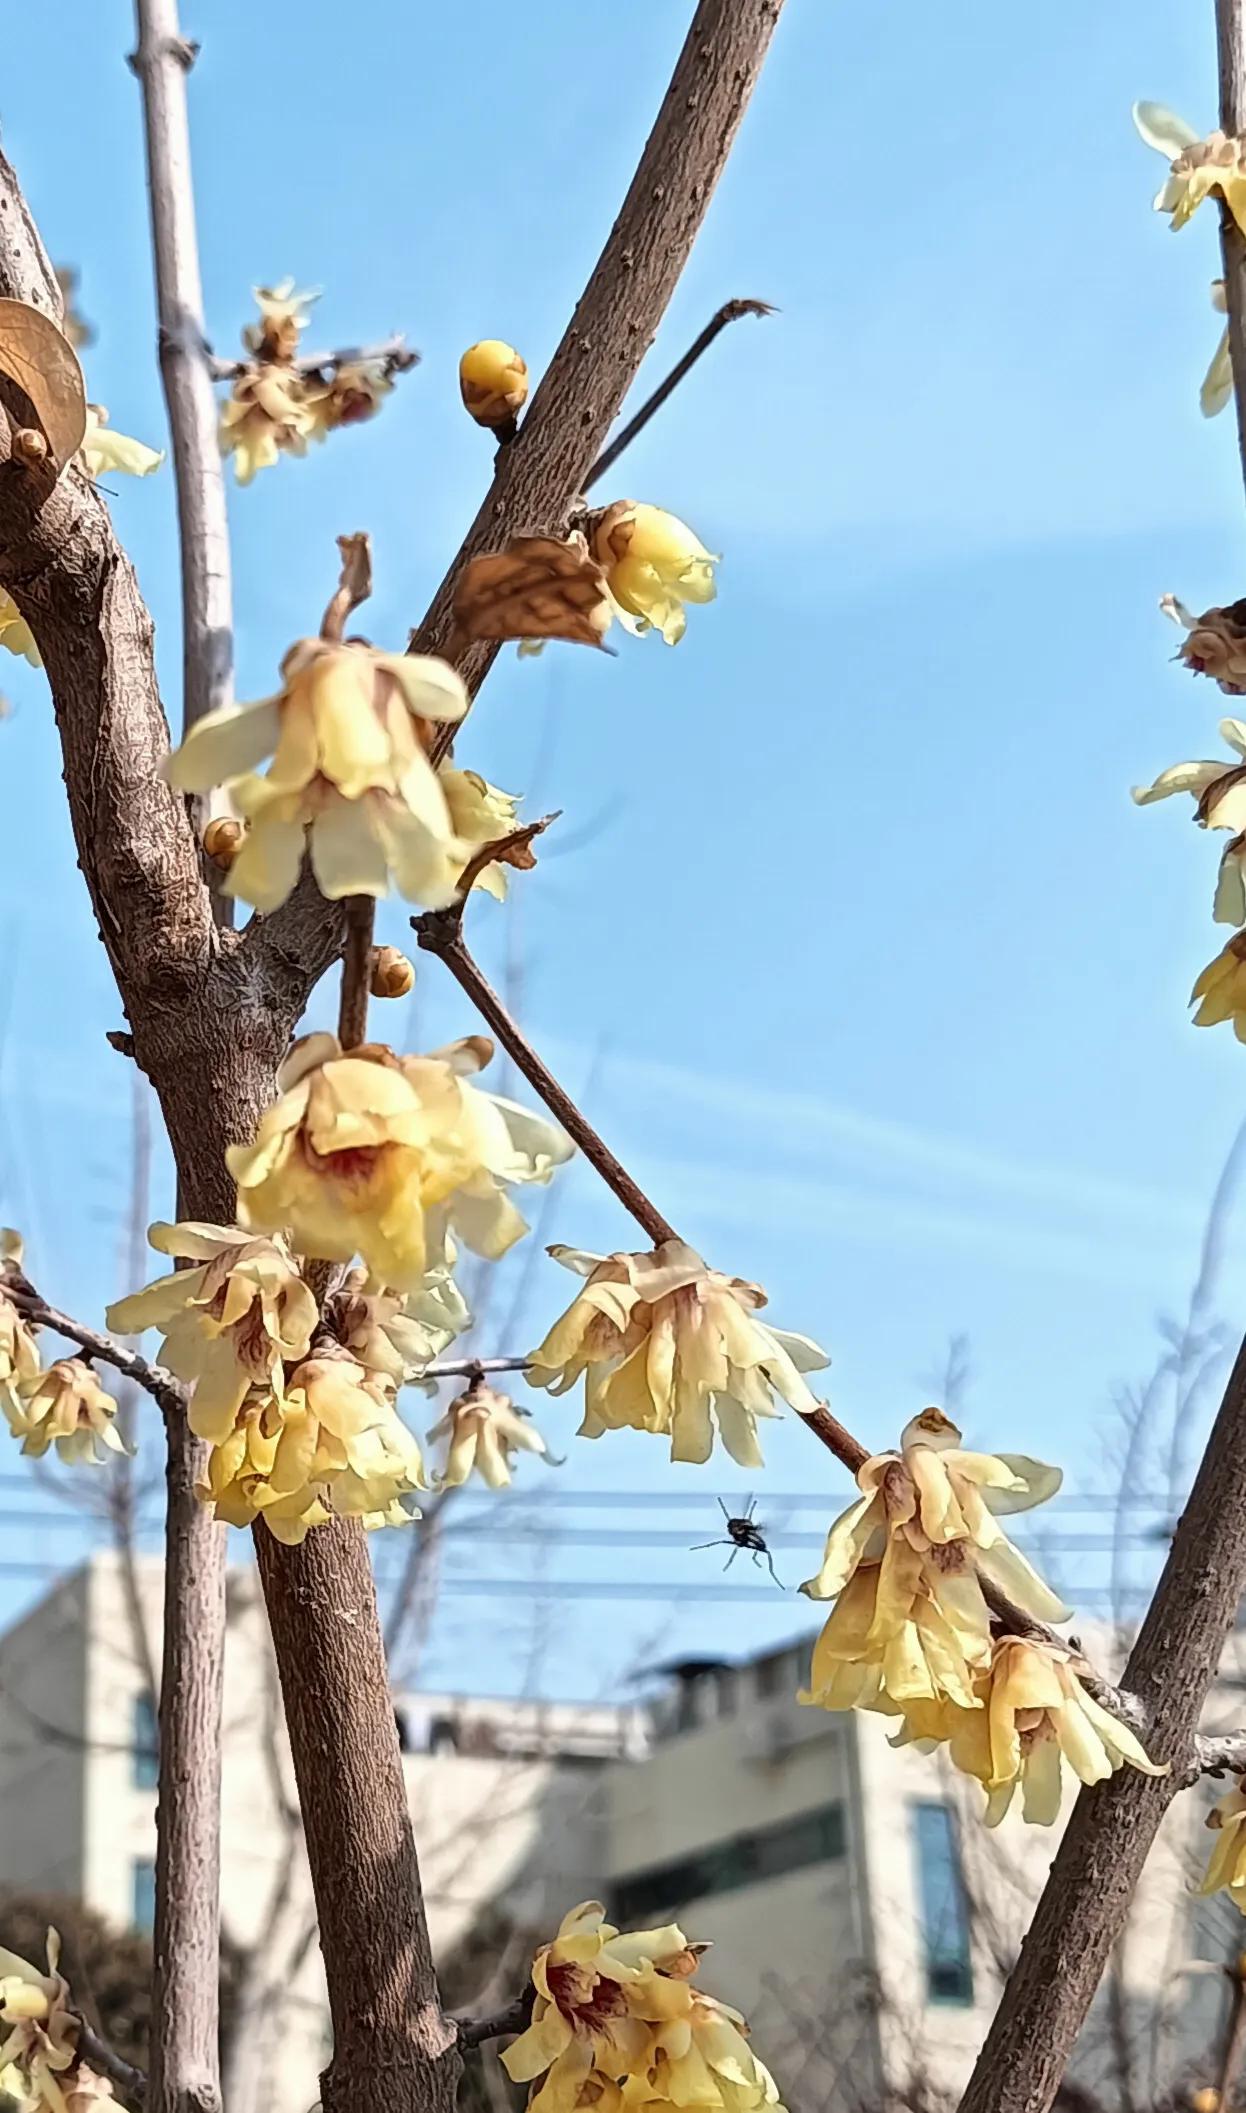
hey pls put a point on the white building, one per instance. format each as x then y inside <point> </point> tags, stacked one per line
<point>859,1912</point>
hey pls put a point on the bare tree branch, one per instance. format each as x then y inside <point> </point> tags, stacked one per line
<point>473,2032</point>
<point>161,63</point>
<point>153,1379</point>
<point>539,476</point>
<point>1100,1858</point>
<point>101,2058</point>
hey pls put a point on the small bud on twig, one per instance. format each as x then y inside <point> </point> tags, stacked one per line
<point>493,382</point>
<point>222,840</point>
<point>30,444</point>
<point>392,973</point>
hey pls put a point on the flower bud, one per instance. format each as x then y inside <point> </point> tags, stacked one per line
<point>1205,2101</point>
<point>392,973</point>
<point>493,382</point>
<point>222,840</point>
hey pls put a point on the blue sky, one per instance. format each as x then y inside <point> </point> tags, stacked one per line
<point>878,977</point>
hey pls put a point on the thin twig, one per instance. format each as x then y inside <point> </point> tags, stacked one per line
<point>473,2032</point>
<point>101,2058</point>
<point>1231,50</point>
<point>393,354</point>
<point>470,1367</point>
<point>488,854</point>
<point>730,312</point>
<point>153,1379</point>
<point>440,932</point>
<point>203,528</point>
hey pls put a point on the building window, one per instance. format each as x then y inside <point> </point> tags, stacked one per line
<point>144,1744</point>
<point>944,1908</point>
<point>725,1867</point>
<point>143,1885</point>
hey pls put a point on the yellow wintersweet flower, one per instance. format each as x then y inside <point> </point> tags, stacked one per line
<point>484,1428</point>
<point>1221,988</point>
<point>1197,167</point>
<point>38,2029</point>
<point>1218,788</point>
<point>1215,645</point>
<point>19,1353</point>
<point>284,314</point>
<point>66,1407</point>
<point>105,452</point>
<point>666,1344</point>
<point>394,1333</point>
<point>16,635</point>
<point>493,382</point>
<point>228,1324</point>
<point>347,742</point>
<point>346,734</point>
<point>702,2058</point>
<point>333,1444</point>
<point>266,414</point>
<point>360,1147</point>
<point>901,1639</point>
<point>1217,385</point>
<point>597,1994</point>
<point>1034,1711</point>
<point>653,565</point>
<point>1226,1868</point>
<point>480,813</point>
<point>347,396</point>
<point>942,1502</point>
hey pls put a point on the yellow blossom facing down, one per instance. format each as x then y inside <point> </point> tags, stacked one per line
<point>1197,167</point>
<point>940,1502</point>
<point>334,1444</point>
<point>350,778</point>
<point>1220,991</point>
<point>1218,788</point>
<point>347,396</point>
<point>493,382</point>
<point>229,1324</point>
<point>266,414</point>
<point>105,452</point>
<point>1226,1869</point>
<point>66,1407</point>
<point>702,2058</point>
<point>484,1428</point>
<point>597,1995</point>
<point>399,1334</point>
<point>284,315</point>
<point>1215,644</point>
<point>16,635</point>
<point>892,1642</point>
<point>666,1344</point>
<point>19,1352</point>
<point>38,2029</point>
<point>1217,385</point>
<point>1033,1713</point>
<point>480,813</point>
<point>385,1156</point>
<point>653,566</point>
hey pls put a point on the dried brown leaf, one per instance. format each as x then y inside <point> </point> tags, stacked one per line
<point>43,363</point>
<point>354,585</point>
<point>538,587</point>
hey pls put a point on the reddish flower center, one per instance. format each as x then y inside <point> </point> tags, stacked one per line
<point>587,2000</point>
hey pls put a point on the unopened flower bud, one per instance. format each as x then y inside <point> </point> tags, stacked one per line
<point>1205,2101</point>
<point>493,382</point>
<point>392,973</point>
<point>222,840</point>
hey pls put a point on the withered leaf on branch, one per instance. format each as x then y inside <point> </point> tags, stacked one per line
<point>538,587</point>
<point>43,363</point>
